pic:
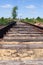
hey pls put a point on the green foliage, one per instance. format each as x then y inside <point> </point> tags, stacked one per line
<point>38,18</point>
<point>3,21</point>
<point>14,12</point>
<point>32,20</point>
<point>29,20</point>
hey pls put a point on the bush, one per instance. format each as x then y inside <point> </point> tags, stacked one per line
<point>32,21</point>
<point>3,21</point>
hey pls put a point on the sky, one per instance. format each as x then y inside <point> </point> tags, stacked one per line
<point>26,8</point>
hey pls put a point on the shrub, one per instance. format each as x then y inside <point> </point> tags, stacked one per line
<point>3,21</point>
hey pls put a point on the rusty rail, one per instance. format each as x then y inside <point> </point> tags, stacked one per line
<point>34,25</point>
<point>6,28</point>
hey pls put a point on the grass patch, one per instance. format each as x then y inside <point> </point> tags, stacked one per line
<point>4,21</point>
<point>32,20</point>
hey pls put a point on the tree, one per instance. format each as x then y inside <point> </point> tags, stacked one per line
<point>27,18</point>
<point>2,18</point>
<point>38,18</point>
<point>14,12</point>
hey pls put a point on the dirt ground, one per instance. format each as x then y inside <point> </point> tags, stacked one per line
<point>22,54</point>
<point>39,24</point>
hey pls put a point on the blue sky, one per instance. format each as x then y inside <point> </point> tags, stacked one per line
<point>26,8</point>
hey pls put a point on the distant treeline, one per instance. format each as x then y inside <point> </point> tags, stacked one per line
<point>5,21</point>
<point>33,20</point>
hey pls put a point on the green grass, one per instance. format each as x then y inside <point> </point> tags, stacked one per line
<point>4,21</point>
<point>32,21</point>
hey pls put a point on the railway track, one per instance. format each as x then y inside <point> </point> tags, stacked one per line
<point>23,32</point>
<point>21,37</point>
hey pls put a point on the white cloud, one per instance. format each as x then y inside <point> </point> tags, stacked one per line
<point>6,6</point>
<point>30,6</point>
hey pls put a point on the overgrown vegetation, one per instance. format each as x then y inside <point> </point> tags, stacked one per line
<point>32,20</point>
<point>3,21</point>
